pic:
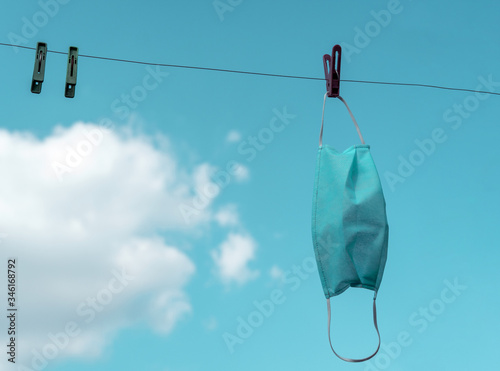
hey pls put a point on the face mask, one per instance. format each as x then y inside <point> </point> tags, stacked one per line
<point>349,223</point>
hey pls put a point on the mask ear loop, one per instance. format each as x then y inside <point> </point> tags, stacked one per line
<point>350,113</point>
<point>376,328</point>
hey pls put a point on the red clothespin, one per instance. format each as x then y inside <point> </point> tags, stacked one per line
<point>332,71</point>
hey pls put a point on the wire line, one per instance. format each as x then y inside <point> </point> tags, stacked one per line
<point>258,73</point>
<point>422,86</point>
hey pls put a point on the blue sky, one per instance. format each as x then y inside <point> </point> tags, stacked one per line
<point>244,253</point>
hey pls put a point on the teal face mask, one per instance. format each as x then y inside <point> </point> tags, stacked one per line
<point>349,223</point>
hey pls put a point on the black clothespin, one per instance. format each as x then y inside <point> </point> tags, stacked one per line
<point>69,91</point>
<point>332,74</point>
<point>39,70</point>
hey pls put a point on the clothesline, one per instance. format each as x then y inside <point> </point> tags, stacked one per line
<point>258,73</point>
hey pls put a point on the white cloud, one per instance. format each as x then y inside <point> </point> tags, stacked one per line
<point>233,136</point>
<point>210,324</point>
<point>72,237</point>
<point>276,273</point>
<point>202,176</point>
<point>167,309</point>
<point>242,173</point>
<point>232,258</point>
<point>119,169</point>
<point>227,216</point>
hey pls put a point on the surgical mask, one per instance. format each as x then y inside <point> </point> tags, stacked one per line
<point>349,222</point>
